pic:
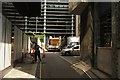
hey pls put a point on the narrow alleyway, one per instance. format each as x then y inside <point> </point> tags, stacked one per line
<point>53,67</point>
<point>56,67</point>
<point>88,29</point>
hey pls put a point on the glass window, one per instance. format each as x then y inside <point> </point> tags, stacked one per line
<point>76,47</point>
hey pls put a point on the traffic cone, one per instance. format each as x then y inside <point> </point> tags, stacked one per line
<point>44,56</point>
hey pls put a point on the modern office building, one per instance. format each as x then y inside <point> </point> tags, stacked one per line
<point>54,18</point>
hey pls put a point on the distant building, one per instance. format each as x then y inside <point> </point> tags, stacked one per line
<point>56,19</point>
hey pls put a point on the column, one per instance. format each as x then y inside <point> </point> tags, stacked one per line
<point>116,39</point>
<point>44,22</point>
<point>36,23</point>
<point>29,44</point>
<point>72,24</point>
<point>25,24</point>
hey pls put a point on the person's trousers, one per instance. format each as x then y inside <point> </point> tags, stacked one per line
<point>37,53</point>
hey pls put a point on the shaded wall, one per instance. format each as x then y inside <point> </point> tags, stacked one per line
<point>86,46</point>
<point>104,59</point>
<point>25,43</point>
<point>103,54</point>
<point>119,64</point>
<point>86,36</point>
<point>17,43</point>
<point>20,43</point>
<point>116,39</point>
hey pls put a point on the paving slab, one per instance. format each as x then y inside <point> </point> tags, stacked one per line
<point>24,70</point>
<point>81,65</point>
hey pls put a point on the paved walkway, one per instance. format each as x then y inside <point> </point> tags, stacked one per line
<point>27,70</point>
<point>22,71</point>
<point>81,65</point>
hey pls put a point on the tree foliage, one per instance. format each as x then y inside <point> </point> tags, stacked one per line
<point>34,35</point>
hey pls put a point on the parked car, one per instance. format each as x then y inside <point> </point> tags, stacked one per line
<point>71,50</point>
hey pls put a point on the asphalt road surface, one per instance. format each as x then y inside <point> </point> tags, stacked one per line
<point>55,68</point>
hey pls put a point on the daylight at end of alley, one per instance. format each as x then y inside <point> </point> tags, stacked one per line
<point>59,40</point>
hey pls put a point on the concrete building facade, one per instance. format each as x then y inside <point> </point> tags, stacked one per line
<point>11,46</point>
<point>54,19</point>
<point>99,34</point>
<point>5,42</point>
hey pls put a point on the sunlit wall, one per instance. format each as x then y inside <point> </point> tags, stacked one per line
<point>5,42</point>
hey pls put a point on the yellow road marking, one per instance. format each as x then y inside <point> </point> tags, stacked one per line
<point>40,69</point>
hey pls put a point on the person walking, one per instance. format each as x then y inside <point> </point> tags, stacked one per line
<point>37,52</point>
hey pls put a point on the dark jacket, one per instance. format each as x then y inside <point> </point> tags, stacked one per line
<point>37,48</point>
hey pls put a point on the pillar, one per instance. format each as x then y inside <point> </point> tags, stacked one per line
<point>116,40</point>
